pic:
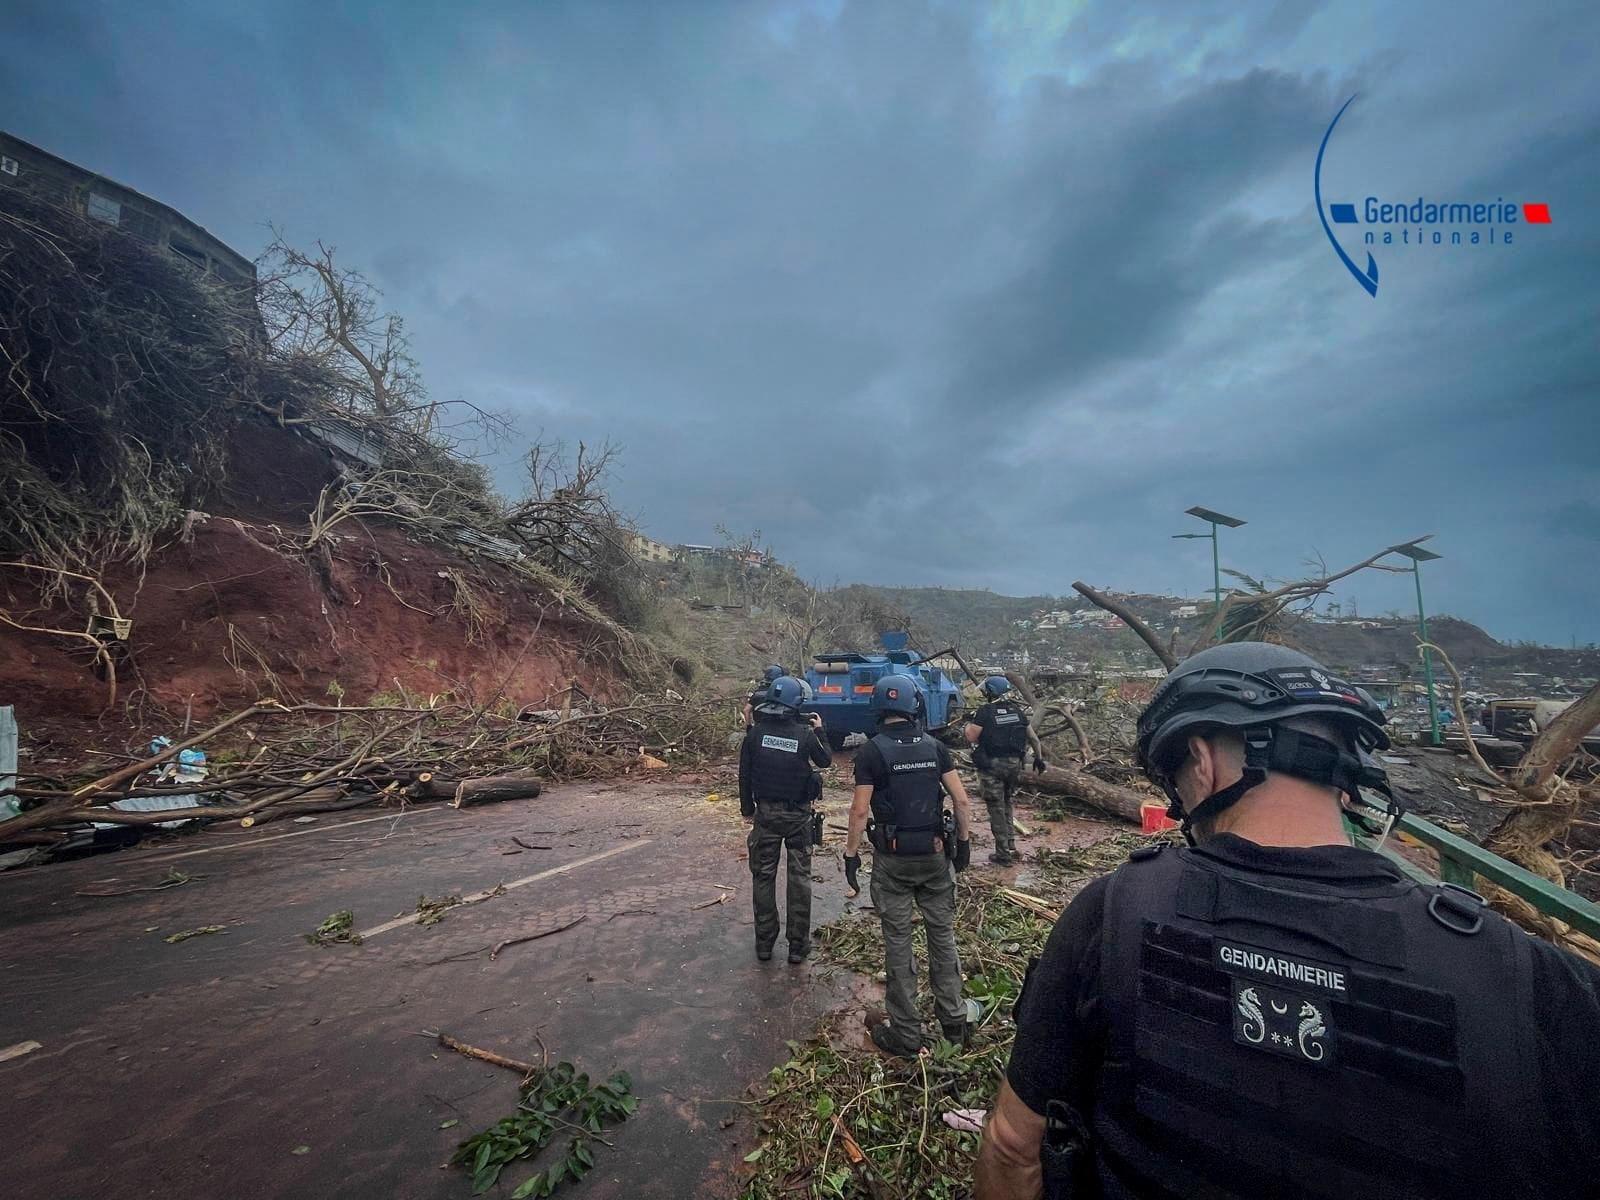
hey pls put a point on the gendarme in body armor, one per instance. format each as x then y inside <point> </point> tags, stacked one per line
<point>902,778</point>
<point>1000,734</point>
<point>1273,1011</point>
<point>777,787</point>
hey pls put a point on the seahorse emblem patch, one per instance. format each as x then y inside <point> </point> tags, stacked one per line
<point>1282,1022</point>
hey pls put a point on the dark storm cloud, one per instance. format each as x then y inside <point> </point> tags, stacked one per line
<point>1138,227</point>
<point>932,293</point>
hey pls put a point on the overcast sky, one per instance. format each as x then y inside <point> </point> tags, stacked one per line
<point>937,293</point>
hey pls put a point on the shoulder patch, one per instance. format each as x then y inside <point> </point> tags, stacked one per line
<point>787,745</point>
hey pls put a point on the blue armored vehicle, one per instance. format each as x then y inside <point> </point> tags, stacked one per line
<point>842,681</point>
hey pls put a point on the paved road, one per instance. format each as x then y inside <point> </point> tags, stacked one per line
<point>198,1069</point>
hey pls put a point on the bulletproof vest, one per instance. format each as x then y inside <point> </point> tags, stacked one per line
<point>1006,735</point>
<point>780,768</point>
<point>1309,1038</point>
<point>909,812</point>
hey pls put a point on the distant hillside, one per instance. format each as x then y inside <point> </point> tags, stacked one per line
<point>1066,630</point>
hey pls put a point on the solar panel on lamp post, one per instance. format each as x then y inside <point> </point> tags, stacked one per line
<point>1214,519</point>
<point>1419,555</point>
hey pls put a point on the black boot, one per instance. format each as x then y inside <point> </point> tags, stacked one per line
<point>891,1042</point>
<point>763,953</point>
<point>957,1035</point>
<point>797,954</point>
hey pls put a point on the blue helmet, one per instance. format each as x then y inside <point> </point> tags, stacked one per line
<point>786,691</point>
<point>996,686</point>
<point>773,673</point>
<point>895,694</point>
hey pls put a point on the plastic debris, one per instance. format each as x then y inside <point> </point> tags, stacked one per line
<point>966,1120</point>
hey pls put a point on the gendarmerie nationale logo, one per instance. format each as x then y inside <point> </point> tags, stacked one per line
<point>771,741</point>
<point>1428,221</point>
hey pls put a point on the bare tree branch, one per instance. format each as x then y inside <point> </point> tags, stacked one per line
<point>1146,634</point>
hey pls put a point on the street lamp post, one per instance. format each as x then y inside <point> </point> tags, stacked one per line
<point>1418,555</point>
<point>1213,519</point>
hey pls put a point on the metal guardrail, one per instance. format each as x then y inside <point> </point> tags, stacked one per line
<point>1461,862</point>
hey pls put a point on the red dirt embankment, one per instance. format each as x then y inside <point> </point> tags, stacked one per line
<point>230,610</point>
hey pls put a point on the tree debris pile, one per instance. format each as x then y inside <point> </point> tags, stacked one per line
<point>142,398</point>
<point>126,372</point>
<point>837,1098</point>
<point>298,760</point>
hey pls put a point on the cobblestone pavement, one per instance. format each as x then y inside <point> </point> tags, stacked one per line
<point>200,1069</point>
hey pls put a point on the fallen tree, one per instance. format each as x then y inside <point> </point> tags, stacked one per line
<point>1076,784</point>
<point>1073,782</point>
<point>333,758</point>
<point>1548,801</point>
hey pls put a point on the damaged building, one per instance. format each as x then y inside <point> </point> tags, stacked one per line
<point>48,177</point>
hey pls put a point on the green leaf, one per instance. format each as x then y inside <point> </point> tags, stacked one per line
<point>755,1154</point>
<point>301,1150</point>
<point>450,1124</point>
<point>824,1106</point>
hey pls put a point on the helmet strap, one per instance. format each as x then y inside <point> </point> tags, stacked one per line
<point>1303,756</point>
<point>1258,742</point>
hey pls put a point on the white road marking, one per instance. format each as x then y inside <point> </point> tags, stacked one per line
<point>278,837</point>
<point>410,918</point>
<point>18,1050</point>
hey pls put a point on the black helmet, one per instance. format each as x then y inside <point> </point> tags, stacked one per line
<point>786,692</point>
<point>1250,687</point>
<point>773,673</point>
<point>895,694</point>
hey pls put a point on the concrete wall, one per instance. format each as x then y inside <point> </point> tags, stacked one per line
<point>23,165</point>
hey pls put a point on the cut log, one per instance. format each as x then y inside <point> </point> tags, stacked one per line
<point>429,786</point>
<point>1097,793</point>
<point>494,789</point>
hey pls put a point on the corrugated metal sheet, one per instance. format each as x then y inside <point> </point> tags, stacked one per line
<point>492,546</point>
<point>347,439</point>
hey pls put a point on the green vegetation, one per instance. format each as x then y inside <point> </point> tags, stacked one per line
<point>554,1100</point>
<point>893,1109</point>
<point>337,927</point>
<point>431,912</point>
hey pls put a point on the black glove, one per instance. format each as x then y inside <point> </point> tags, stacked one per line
<point>1039,763</point>
<point>852,865</point>
<point>963,855</point>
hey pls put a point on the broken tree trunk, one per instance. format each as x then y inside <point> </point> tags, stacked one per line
<point>1097,793</point>
<point>494,789</point>
<point>1550,805</point>
<point>1129,618</point>
<point>429,786</point>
